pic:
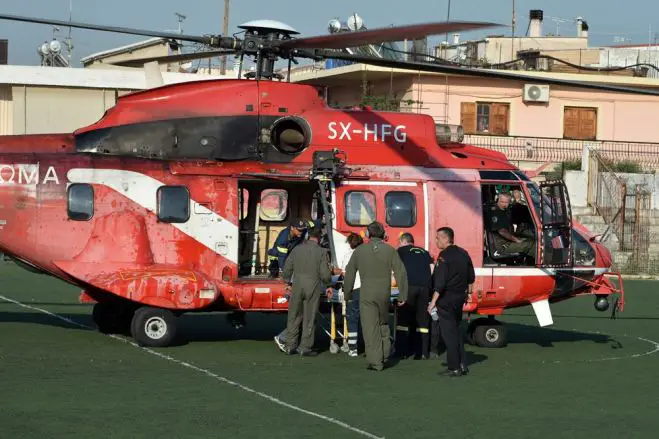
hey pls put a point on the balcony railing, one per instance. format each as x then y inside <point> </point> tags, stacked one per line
<point>545,149</point>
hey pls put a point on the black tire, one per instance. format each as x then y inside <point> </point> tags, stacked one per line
<point>111,317</point>
<point>153,327</point>
<point>490,335</point>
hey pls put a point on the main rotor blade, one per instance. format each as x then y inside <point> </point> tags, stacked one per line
<point>437,68</point>
<point>379,35</point>
<point>166,59</point>
<point>121,30</point>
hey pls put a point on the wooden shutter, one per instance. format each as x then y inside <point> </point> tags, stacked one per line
<point>580,123</point>
<point>499,119</point>
<point>468,117</point>
<point>587,123</point>
<point>571,123</point>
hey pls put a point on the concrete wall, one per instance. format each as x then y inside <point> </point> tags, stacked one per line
<point>6,111</point>
<point>40,110</point>
<point>577,186</point>
<point>497,50</point>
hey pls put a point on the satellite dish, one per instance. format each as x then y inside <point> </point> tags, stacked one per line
<point>44,49</point>
<point>334,26</point>
<point>355,22</point>
<point>55,46</point>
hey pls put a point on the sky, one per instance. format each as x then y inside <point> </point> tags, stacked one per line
<point>631,20</point>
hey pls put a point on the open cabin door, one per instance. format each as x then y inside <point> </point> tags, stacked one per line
<point>556,217</point>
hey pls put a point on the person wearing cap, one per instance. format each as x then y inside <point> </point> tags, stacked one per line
<point>286,241</point>
<point>307,274</point>
<point>374,262</point>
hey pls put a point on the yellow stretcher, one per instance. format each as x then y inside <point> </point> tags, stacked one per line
<point>337,297</point>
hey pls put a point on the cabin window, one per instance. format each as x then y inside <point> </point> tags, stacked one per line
<point>80,206</point>
<point>173,204</point>
<point>580,123</point>
<point>244,204</point>
<point>274,205</point>
<point>360,208</point>
<point>485,118</point>
<point>401,209</point>
<point>314,209</point>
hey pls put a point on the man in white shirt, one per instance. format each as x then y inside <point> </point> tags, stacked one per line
<point>352,307</point>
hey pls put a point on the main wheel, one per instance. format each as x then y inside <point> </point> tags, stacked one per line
<point>112,317</point>
<point>153,327</point>
<point>490,335</point>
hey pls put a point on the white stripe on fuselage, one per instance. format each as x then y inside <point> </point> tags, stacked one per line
<point>532,271</point>
<point>204,225</point>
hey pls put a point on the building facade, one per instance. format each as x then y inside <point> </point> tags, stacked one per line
<point>543,123</point>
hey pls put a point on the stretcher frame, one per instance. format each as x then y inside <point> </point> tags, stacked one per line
<point>337,298</point>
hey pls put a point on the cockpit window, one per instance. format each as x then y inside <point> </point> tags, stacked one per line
<point>584,253</point>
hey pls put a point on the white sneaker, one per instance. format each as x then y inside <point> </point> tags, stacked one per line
<point>353,353</point>
<point>280,345</point>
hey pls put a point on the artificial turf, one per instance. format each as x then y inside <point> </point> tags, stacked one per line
<point>587,375</point>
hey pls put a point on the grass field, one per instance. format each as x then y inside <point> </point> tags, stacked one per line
<point>586,375</point>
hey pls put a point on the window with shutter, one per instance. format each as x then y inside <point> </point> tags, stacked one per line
<point>468,117</point>
<point>485,118</point>
<point>580,123</point>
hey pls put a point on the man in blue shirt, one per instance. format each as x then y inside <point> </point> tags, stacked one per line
<point>286,241</point>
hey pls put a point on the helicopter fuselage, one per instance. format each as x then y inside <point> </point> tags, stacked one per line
<point>116,209</point>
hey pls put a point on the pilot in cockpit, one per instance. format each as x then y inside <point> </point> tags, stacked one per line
<point>505,241</point>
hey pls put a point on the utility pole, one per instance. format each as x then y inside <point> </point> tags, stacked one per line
<point>448,16</point>
<point>512,40</point>
<point>225,31</point>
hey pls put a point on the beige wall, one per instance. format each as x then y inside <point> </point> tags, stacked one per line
<point>145,52</point>
<point>6,111</point>
<point>621,117</point>
<point>498,50</point>
<point>40,110</point>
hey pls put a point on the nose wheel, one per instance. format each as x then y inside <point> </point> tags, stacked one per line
<point>487,333</point>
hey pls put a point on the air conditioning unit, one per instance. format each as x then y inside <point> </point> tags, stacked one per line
<point>536,93</point>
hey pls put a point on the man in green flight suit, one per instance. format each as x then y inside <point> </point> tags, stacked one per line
<point>375,261</point>
<point>309,263</point>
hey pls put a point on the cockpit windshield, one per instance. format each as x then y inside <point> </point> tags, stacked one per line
<point>551,209</point>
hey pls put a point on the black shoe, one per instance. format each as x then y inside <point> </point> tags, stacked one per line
<point>309,354</point>
<point>452,373</point>
<point>376,368</point>
<point>464,369</point>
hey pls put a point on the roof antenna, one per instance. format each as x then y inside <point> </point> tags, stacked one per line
<point>69,40</point>
<point>180,17</point>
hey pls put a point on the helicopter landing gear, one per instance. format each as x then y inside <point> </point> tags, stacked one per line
<point>487,333</point>
<point>112,317</point>
<point>153,327</point>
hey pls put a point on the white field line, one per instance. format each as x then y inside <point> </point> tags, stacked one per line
<point>204,371</point>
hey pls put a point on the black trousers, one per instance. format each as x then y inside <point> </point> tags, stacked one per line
<point>450,316</point>
<point>412,328</point>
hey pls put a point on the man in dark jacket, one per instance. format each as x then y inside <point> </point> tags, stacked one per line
<point>414,319</point>
<point>453,278</point>
<point>286,241</point>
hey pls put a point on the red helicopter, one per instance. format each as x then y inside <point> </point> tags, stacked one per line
<point>169,203</point>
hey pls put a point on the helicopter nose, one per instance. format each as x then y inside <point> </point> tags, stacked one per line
<point>604,254</point>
